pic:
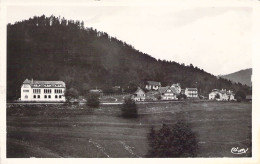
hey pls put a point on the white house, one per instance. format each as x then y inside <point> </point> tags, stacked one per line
<point>139,95</point>
<point>34,90</point>
<point>177,87</point>
<point>221,95</point>
<point>152,85</point>
<point>167,93</point>
<point>191,92</point>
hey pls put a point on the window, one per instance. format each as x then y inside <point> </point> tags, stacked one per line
<point>56,96</point>
<point>45,96</point>
<point>26,90</point>
<point>49,96</point>
<point>57,85</point>
<point>26,96</point>
<point>36,90</point>
<point>60,96</point>
<point>47,91</point>
<point>38,96</point>
<point>34,96</point>
<point>47,85</point>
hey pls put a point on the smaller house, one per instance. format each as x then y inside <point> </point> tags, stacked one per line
<point>191,92</point>
<point>177,88</point>
<point>139,95</point>
<point>152,85</point>
<point>167,93</point>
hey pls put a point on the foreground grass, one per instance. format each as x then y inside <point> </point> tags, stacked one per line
<point>79,131</point>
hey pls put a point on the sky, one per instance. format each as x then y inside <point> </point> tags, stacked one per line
<point>217,39</point>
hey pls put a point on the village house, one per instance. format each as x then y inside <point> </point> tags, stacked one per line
<point>167,93</point>
<point>191,92</point>
<point>221,95</point>
<point>139,95</point>
<point>152,85</point>
<point>34,90</point>
<point>177,88</point>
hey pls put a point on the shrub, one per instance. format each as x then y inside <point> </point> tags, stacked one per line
<point>240,96</point>
<point>93,100</point>
<point>217,96</point>
<point>177,140</point>
<point>129,108</point>
<point>182,97</point>
<point>71,93</point>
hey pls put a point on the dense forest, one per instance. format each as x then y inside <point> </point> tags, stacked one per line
<point>53,48</point>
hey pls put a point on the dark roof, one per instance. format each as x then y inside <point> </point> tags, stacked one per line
<point>192,89</point>
<point>164,89</point>
<point>153,83</point>
<point>45,84</point>
<point>138,90</point>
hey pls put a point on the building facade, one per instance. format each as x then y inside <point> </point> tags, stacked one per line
<point>221,95</point>
<point>191,92</point>
<point>139,95</point>
<point>167,93</point>
<point>42,91</point>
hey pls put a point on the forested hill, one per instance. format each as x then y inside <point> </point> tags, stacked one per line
<point>51,48</point>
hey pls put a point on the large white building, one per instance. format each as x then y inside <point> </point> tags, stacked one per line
<point>191,92</point>
<point>34,90</point>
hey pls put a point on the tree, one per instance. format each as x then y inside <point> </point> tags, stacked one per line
<point>181,96</point>
<point>240,96</point>
<point>71,93</point>
<point>129,108</point>
<point>217,96</point>
<point>93,100</point>
<point>176,140</point>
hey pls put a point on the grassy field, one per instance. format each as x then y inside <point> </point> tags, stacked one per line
<point>78,131</point>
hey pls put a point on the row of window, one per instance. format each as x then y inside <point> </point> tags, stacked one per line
<point>47,90</point>
<point>36,90</point>
<point>47,85</point>
<point>46,96</point>
<point>57,90</point>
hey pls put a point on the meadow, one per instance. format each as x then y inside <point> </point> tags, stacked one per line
<point>58,130</point>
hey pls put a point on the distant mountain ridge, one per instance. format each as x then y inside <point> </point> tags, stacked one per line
<point>242,76</point>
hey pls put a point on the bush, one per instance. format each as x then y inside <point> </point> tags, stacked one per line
<point>177,140</point>
<point>93,100</point>
<point>217,96</point>
<point>129,108</point>
<point>240,96</point>
<point>182,97</point>
<point>71,93</point>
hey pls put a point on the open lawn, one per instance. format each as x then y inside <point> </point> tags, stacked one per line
<point>57,130</point>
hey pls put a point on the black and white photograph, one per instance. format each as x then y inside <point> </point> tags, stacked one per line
<point>121,79</point>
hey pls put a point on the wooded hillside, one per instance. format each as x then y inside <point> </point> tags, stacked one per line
<point>51,48</point>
